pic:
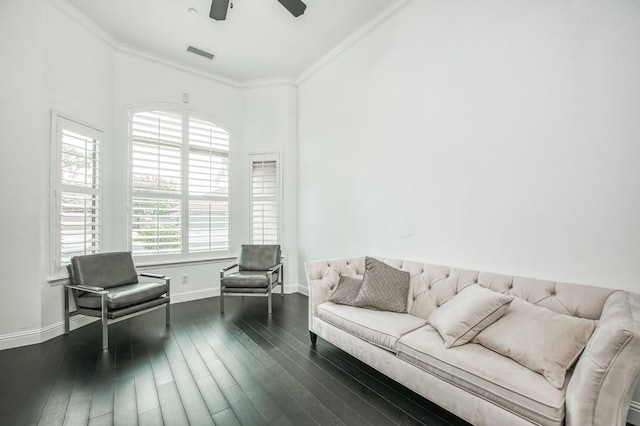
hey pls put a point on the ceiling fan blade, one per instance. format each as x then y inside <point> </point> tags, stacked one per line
<point>296,7</point>
<point>219,9</point>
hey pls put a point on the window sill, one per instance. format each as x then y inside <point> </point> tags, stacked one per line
<point>62,279</point>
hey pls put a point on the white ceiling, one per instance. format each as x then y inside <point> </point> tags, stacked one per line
<point>260,39</point>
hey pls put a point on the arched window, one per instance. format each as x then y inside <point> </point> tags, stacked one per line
<point>179,184</point>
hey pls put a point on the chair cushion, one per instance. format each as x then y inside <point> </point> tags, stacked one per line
<point>123,296</point>
<point>254,257</point>
<point>247,279</point>
<point>380,328</point>
<point>487,374</point>
<point>104,270</point>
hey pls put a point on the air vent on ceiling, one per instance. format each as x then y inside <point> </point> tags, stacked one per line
<point>200,52</point>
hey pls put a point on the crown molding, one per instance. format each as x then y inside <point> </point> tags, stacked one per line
<point>377,20</point>
<point>145,54</point>
<point>87,23</point>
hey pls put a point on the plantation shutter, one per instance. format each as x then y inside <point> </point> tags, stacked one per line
<point>179,184</point>
<point>156,183</point>
<point>265,199</point>
<point>208,187</point>
<point>78,191</point>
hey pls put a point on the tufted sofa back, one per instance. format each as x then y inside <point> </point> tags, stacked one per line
<point>433,285</point>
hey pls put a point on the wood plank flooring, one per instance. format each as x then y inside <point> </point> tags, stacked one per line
<point>240,368</point>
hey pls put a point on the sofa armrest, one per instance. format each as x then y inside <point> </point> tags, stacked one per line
<point>324,275</point>
<point>602,382</point>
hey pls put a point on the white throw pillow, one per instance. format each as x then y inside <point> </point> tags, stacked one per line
<point>540,339</point>
<point>466,314</point>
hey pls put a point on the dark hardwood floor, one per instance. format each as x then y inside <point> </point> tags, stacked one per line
<point>243,367</point>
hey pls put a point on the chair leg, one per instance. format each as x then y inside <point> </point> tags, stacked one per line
<point>105,324</point>
<point>221,301</point>
<point>168,312</point>
<point>269,304</point>
<point>66,311</point>
<point>281,282</point>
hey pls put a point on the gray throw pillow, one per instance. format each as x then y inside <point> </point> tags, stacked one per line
<point>346,291</point>
<point>384,287</point>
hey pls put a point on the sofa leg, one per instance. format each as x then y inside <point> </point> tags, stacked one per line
<point>314,337</point>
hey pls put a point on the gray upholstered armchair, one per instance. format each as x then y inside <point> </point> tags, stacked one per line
<point>259,271</point>
<point>106,286</point>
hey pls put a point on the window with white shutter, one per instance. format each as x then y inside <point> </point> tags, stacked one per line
<point>179,184</point>
<point>76,221</point>
<point>265,199</point>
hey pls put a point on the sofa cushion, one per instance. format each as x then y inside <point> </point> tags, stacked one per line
<point>381,328</point>
<point>485,373</point>
<point>123,296</point>
<point>469,312</point>
<point>384,287</point>
<point>346,291</point>
<point>538,338</point>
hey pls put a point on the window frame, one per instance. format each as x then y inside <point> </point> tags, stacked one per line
<point>60,121</point>
<point>266,157</point>
<point>184,256</point>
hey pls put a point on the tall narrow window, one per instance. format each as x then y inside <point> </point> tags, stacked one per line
<point>265,199</point>
<point>76,191</point>
<point>179,184</point>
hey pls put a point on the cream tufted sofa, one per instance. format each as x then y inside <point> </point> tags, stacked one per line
<point>471,381</point>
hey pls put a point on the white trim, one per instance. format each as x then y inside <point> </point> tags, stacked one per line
<point>352,38</point>
<point>188,296</point>
<point>32,337</point>
<point>634,413</point>
<point>87,23</point>
<point>76,15</point>
<point>302,289</point>
<point>154,57</point>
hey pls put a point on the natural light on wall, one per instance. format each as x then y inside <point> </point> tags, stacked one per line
<point>179,184</point>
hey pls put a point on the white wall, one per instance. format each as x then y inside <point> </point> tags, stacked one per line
<point>500,136</point>
<point>270,126</point>
<point>23,163</point>
<point>78,83</point>
<point>58,63</point>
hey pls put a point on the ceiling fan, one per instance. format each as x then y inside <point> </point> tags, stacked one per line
<point>219,8</point>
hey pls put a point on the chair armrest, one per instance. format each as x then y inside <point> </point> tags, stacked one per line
<point>223,270</point>
<point>275,268</point>
<point>87,288</point>
<point>158,276</point>
<point>229,267</point>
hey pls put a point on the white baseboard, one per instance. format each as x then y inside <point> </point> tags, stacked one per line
<point>634,413</point>
<point>303,289</point>
<point>32,337</point>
